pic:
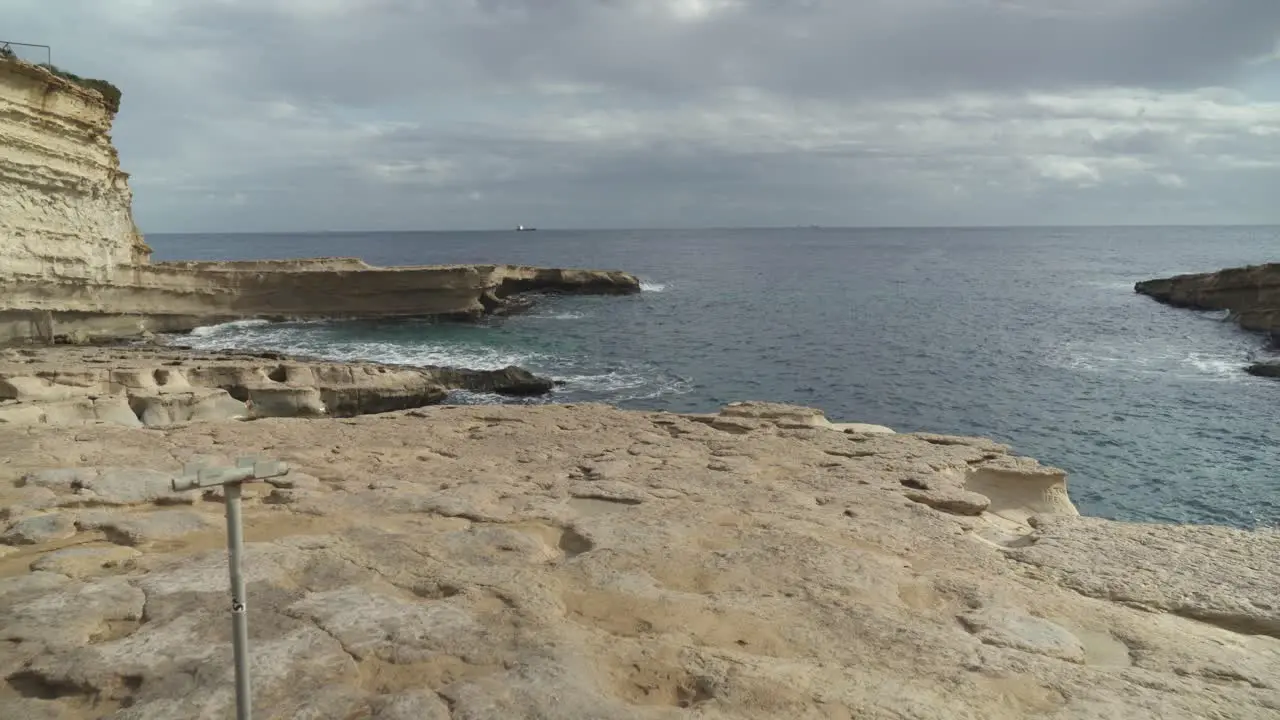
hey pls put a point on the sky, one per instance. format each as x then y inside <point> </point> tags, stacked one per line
<point>299,115</point>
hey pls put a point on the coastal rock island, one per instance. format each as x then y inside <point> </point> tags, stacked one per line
<point>497,562</point>
<point>74,265</point>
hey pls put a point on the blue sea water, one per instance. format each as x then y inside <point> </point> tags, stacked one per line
<point>1030,336</point>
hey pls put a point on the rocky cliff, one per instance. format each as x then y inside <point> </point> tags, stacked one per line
<point>72,262</point>
<point>1251,294</point>
<point>65,205</point>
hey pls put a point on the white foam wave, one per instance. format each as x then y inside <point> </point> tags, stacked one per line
<point>650,286</point>
<point>576,377</point>
<point>611,382</point>
<point>207,330</point>
<point>308,341</point>
<point>623,386</point>
<point>1113,286</point>
<point>1215,365</point>
<point>1175,362</point>
<point>468,397</point>
<point>472,357</point>
<point>558,316</point>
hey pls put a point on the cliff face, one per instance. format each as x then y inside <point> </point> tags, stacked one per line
<point>1251,294</point>
<point>65,211</point>
<point>73,264</point>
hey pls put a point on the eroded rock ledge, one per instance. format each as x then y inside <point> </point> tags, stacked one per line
<point>176,297</point>
<point>584,562</point>
<point>159,386</point>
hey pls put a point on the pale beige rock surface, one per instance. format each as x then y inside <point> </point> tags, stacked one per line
<point>584,562</point>
<point>156,386</point>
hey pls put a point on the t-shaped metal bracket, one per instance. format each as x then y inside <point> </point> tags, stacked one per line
<point>247,469</point>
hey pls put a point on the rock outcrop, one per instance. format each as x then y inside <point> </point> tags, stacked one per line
<point>584,562</point>
<point>65,204</point>
<point>159,386</point>
<point>1268,369</point>
<point>73,265</point>
<point>1251,294</point>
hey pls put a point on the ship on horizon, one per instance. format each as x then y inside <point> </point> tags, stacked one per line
<point>522,228</point>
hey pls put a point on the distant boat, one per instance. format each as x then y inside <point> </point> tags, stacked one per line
<point>521,228</point>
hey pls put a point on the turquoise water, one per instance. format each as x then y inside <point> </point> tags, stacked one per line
<point>1032,336</point>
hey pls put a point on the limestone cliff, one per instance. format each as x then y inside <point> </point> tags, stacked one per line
<point>72,263</point>
<point>65,212</point>
<point>1251,294</point>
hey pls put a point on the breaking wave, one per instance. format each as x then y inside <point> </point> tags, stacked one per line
<point>224,328</point>
<point>557,316</point>
<point>579,377</point>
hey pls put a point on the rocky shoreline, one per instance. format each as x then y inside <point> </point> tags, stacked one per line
<point>423,561</point>
<point>154,384</point>
<point>1250,295</point>
<point>567,561</point>
<point>584,562</point>
<point>74,266</point>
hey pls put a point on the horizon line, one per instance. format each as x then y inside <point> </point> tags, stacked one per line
<point>720,227</point>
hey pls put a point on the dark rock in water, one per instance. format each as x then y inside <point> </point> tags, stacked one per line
<point>511,380</point>
<point>514,380</point>
<point>1271,369</point>
<point>512,306</point>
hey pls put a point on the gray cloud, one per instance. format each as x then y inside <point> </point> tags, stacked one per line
<point>311,114</point>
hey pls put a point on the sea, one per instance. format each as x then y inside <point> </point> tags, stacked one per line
<point>1032,336</point>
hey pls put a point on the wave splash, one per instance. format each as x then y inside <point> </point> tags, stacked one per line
<point>228,327</point>
<point>1172,361</point>
<point>579,377</point>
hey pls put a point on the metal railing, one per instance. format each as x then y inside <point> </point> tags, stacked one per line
<point>6,50</point>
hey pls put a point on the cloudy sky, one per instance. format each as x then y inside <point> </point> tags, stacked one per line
<point>247,115</point>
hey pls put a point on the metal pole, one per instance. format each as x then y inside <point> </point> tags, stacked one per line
<point>248,469</point>
<point>239,612</point>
